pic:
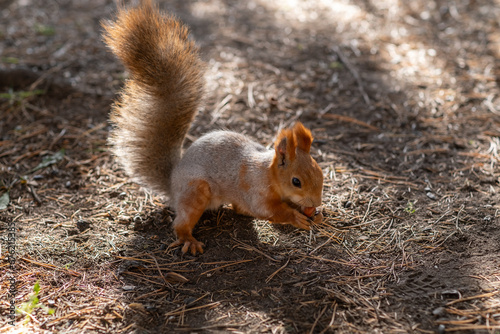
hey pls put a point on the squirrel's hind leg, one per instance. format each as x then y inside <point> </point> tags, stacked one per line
<point>190,207</point>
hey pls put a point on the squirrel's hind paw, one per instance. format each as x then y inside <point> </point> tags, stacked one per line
<point>192,245</point>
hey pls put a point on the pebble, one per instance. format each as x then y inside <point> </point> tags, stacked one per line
<point>440,311</point>
<point>431,195</point>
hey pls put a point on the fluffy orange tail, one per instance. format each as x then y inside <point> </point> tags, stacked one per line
<point>161,97</point>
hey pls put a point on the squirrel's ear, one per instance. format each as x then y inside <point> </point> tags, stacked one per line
<point>302,136</point>
<point>281,147</point>
<point>285,146</point>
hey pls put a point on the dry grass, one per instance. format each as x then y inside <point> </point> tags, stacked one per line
<point>403,102</point>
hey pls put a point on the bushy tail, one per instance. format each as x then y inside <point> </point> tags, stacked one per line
<point>161,97</point>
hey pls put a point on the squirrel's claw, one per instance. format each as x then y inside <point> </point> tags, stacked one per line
<point>304,222</point>
<point>318,217</point>
<point>192,245</point>
<point>301,220</point>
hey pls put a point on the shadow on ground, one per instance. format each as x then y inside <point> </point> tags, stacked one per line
<point>402,100</point>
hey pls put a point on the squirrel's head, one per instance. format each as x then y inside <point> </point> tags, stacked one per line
<point>297,176</point>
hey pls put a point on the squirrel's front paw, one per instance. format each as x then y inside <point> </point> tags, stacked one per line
<point>189,244</point>
<point>300,220</point>
<point>318,218</point>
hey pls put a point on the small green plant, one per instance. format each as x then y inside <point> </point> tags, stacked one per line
<point>19,96</point>
<point>334,65</point>
<point>33,303</point>
<point>410,208</point>
<point>50,160</point>
<point>45,30</point>
<point>10,60</point>
<point>67,265</point>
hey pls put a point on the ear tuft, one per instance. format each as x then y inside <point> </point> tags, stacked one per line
<point>302,136</point>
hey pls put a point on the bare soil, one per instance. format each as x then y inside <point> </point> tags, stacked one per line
<point>403,100</point>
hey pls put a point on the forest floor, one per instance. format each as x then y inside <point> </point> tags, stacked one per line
<point>404,103</point>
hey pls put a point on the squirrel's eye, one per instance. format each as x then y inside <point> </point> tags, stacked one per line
<point>296,182</point>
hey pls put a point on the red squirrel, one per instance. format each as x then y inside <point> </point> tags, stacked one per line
<point>153,114</point>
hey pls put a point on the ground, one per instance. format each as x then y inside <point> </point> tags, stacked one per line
<point>403,100</point>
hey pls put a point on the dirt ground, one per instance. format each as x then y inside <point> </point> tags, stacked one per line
<point>403,100</point>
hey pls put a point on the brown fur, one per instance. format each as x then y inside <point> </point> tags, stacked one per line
<point>191,206</point>
<point>159,101</point>
<point>302,137</point>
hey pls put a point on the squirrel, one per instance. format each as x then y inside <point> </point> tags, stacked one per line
<point>153,113</point>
